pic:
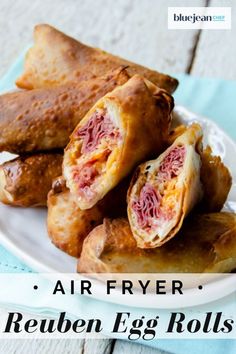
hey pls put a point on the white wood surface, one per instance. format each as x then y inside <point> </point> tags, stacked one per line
<point>122,347</point>
<point>137,30</point>
<point>208,60</point>
<point>61,346</point>
<point>42,346</point>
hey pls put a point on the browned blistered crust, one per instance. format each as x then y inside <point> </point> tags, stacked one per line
<point>26,180</point>
<point>205,243</point>
<point>56,59</point>
<point>68,225</point>
<point>216,181</point>
<point>43,119</point>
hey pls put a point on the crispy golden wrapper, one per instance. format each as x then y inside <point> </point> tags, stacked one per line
<point>43,119</point>
<point>26,181</point>
<point>68,225</point>
<point>56,59</point>
<point>205,243</point>
<point>216,181</point>
<point>123,128</point>
<point>165,190</point>
<point>215,176</point>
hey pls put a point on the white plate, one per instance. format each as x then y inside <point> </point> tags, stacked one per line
<point>23,231</point>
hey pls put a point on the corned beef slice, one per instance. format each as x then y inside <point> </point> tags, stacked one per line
<point>98,127</point>
<point>148,205</point>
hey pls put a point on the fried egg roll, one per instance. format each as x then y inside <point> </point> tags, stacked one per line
<point>68,225</point>
<point>43,119</point>
<point>26,180</point>
<point>122,129</point>
<point>213,174</point>
<point>205,244</point>
<point>56,59</point>
<point>216,180</point>
<point>165,190</point>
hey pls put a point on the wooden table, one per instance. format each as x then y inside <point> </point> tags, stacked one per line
<point>137,30</point>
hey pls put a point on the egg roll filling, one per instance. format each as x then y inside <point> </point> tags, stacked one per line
<point>99,127</point>
<point>155,207</point>
<point>96,140</point>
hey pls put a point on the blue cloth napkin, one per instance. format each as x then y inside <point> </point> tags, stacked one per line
<point>212,98</point>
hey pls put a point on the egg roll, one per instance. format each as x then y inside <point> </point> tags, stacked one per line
<point>206,243</point>
<point>216,180</point>
<point>43,119</point>
<point>165,190</point>
<point>26,180</point>
<point>56,59</point>
<point>122,129</point>
<point>215,176</point>
<point>68,225</point>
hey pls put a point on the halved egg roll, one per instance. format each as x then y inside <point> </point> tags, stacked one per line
<point>165,190</point>
<point>56,59</point>
<point>122,129</point>
<point>213,174</point>
<point>205,243</point>
<point>43,119</point>
<point>26,180</point>
<point>68,225</point>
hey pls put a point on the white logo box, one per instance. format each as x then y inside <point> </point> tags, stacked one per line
<point>199,18</point>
